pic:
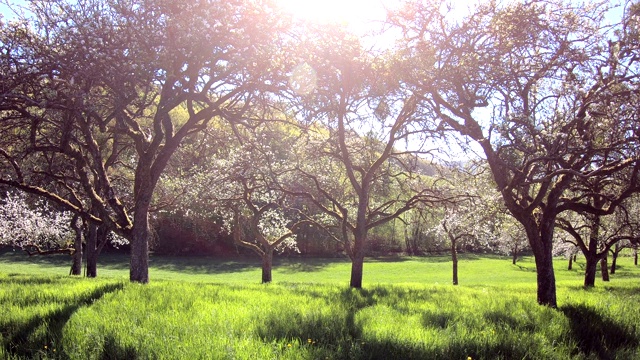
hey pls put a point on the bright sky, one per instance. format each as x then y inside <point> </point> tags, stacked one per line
<point>355,13</point>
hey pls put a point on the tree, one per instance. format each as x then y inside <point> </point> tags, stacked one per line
<point>107,91</point>
<point>470,218</point>
<point>597,235</point>
<point>528,84</point>
<point>37,227</point>
<point>251,194</point>
<point>353,166</point>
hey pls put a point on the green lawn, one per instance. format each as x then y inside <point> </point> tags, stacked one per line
<point>199,308</point>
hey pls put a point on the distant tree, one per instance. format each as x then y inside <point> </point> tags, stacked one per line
<point>36,228</point>
<point>598,235</point>
<point>530,85</point>
<point>470,217</point>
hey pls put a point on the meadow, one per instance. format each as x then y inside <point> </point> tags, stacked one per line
<point>202,308</point>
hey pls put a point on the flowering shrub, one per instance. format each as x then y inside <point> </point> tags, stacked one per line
<point>26,224</point>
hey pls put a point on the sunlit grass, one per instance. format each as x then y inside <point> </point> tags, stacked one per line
<point>213,309</point>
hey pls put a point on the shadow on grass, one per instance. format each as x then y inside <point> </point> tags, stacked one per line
<point>203,265</point>
<point>112,350</point>
<point>26,339</point>
<point>338,335</point>
<point>108,261</point>
<point>296,265</point>
<point>595,334</point>
<point>526,268</point>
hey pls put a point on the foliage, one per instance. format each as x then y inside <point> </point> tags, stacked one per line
<point>36,225</point>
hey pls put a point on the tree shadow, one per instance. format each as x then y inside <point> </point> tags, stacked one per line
<point>525,268</point>
<point>296,265</point>
<point>596,334</point>
<point>26,339</point>
<point>203,265</point>
<point>112,350</point>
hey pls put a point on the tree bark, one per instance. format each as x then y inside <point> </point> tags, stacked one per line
<point>267,265</point>
<point>92,251</point>
<point>635,257</point>
<point>604,268</point>
<point>614,261</point>
<point>590,271</point>
<point>357,266</point>
<point>515,254</point>
<point>546,281</point>
<point>570,267</point>
<point>76,266</point>
<point>541,240</point>
<point>139,262</point>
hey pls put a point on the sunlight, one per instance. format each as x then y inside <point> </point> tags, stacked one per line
<point>354,13</point>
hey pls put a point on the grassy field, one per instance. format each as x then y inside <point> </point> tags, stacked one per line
<point>199,308</point>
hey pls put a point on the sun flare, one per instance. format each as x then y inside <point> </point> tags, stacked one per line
<point>349,12</point>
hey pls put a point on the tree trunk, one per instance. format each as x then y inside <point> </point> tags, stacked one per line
<point>76,266</point>
<point>590,271</point>
<point>614,261</point>
<point>139,263</point>
<point>357,265</point>
<point>546,281</point>
<point>570,267</point>
<point>267,264</point>
<point>454,259</point>
<point>541,240</point>
<point>604,268</point>
<point>92,251</point>
<point>635,257</point>
<point>515,254</point>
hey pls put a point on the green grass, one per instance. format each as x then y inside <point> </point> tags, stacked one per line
<point>197,308</point>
